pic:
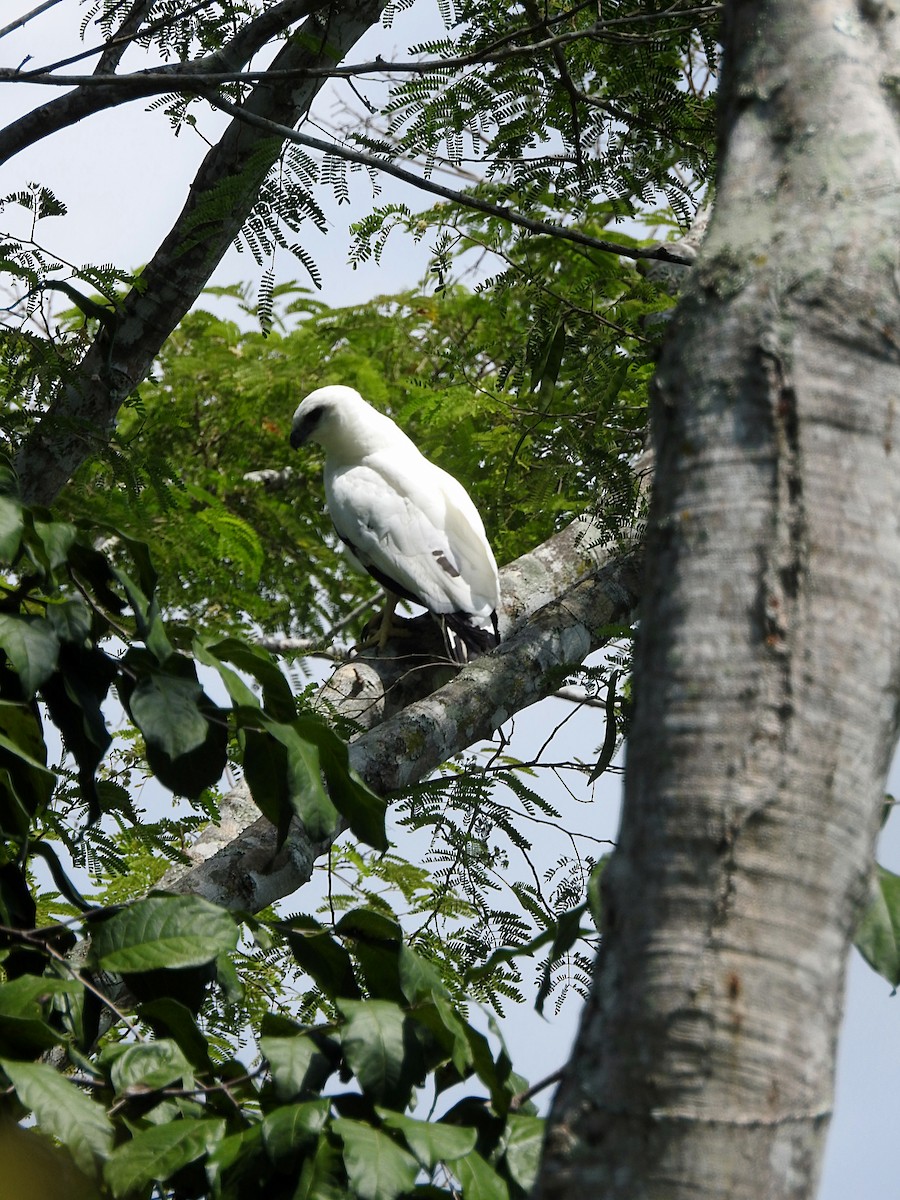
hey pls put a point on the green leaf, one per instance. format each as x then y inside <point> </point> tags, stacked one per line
<point>51,543</point>
<point>430,1141</point>
<point>11,525</point>
<point>296,1063</point>
<point>164,932</point>
<point>374,1044</point>
<point>524,1144</point>
<point>32,648</point>
<point>64,1111</point>
<point>419,979</point>
<point>277,697</point>
<point>155,1154</point>
<point>24,1032</point>
<point>150,1066</point>
<point>445,1023</point>
<point>878,935</point>
<point>376,941</point>
<point>479,1180</point>
<point>165,709</point>
<point>170,1016</point>
<point>286,779</point>
<point>294,1128</point>
<point>186,749</point>
<point>322,957</point>
<point>377,1167</point>
<point>238,1155</point>
<point>362,808</point>
<point>70,620</point>
<point>321,1177</point>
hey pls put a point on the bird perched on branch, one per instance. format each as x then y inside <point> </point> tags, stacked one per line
<point>412,526</point>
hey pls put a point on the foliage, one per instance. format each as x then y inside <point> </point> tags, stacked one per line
<point>175,1095</point>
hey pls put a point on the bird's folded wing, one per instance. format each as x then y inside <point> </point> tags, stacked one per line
<point>416,525</point>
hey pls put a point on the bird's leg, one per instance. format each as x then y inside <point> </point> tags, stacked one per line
<point>387,618</point>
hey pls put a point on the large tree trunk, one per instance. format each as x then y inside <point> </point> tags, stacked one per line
<point>767,671</point>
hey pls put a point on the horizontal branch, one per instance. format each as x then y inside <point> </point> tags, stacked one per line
<point>197,74</point>
<point>662,253</point>
<point>247,871</point>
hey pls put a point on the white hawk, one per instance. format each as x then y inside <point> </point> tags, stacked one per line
<point>412,526</point>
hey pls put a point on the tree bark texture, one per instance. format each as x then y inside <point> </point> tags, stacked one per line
<point>768,657</point>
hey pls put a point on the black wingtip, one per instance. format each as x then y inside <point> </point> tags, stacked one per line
<point>471,640</point>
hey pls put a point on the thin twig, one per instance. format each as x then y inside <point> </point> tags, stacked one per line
<point>26,17</point>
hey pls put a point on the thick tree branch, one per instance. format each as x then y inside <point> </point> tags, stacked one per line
<point>84,411</point>
<point>767,668</point>
<point>244,871</point>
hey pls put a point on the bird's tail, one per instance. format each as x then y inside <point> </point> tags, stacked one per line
<point>466,639</point>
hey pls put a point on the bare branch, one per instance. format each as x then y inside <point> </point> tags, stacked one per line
<point>26,17</point>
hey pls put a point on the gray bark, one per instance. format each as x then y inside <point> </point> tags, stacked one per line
<point>768,660</point>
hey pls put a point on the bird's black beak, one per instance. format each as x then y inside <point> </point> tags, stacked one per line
<point>303,429</point>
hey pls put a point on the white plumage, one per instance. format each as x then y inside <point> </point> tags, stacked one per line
<point>410,524</point>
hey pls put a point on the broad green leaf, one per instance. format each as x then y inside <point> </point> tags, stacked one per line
<point>24,996</point>
<point>70,620</point>
<point>63,1111</point>
<point>294,1063</point>
<point>294,1127</point>
<point>237,1156</point>
<point>478,1178</point>
<point>150,1066</point>
<point>277,697</point>
<point>322,956</point>
<point>376,941</point>
<point>164,932</point>
<point>362,808</point>
<point>377,1167</point>
<point>51,542</point>
<point>24,1031</point>
<point>186,736</point>
<point>454,1029</point>
<point>374,1045</point>
<point>32,648</point>
<point>321,1176</point>
<point>169,1016</point>
<point>419,979</point>
<point>288,774</point>
<point>878,934</point>
<point>29,784</point>
<point>240,693</point>
<point>165,709</point>
<point>155,1154</point>
<point>430,1141</point>
<point>11,526</point>
<point>524,1142</point>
